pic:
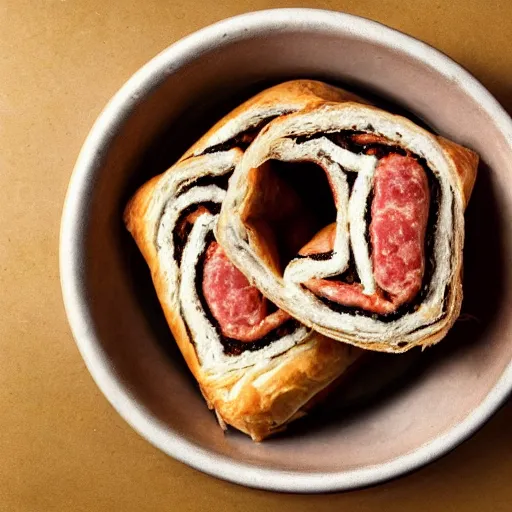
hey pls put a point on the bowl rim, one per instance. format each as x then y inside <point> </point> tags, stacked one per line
<point>72,233</point>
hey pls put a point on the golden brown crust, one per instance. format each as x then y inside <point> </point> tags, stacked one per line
<point>258,400</point>
<point>466,163</point>
<point>135,212</point>
<point>263,409</point>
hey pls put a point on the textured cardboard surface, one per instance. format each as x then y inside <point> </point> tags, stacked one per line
<point>62,446</point>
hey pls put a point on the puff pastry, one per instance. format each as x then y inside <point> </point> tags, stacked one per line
<point>257,367</point>
<point>351,219</point>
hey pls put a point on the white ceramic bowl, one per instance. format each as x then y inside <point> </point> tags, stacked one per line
<point>428,403</point>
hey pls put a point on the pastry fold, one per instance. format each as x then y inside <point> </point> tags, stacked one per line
<point>351,219</point>
<point>256,366</point>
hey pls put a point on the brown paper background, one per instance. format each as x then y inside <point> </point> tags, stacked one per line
<point>62,447</point>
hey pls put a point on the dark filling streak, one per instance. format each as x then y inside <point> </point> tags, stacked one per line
<point>344,140</point>
<point>235,142</point>
<point>234,347</point>
<point>319,256</point>
<point>243,139</point>
<point>367,221</point>
<point>180,237</point>
<point>221,181</point>
<point>351,179</point>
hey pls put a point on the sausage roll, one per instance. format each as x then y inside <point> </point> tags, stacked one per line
<point>351,219</point>
<point>256,366</point>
